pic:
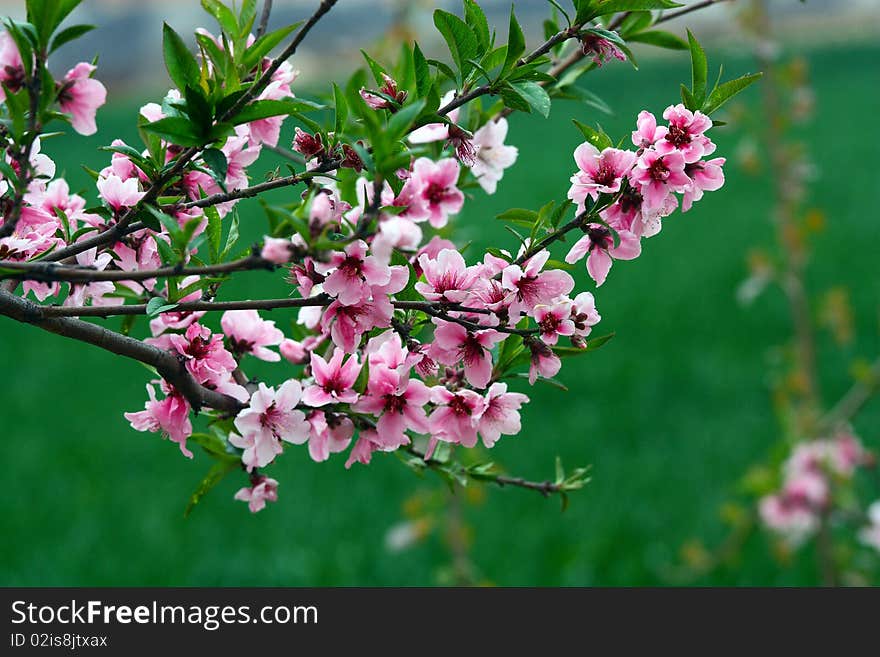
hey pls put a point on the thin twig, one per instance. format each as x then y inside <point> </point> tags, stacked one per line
<point>264,18</point>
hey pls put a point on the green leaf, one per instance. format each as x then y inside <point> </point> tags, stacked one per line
<point>264,45</point>
<point>217,163</point>
<point>535,95</point>
<point>660,39</point>
<point>340,110</point>
<point>592,345</point>
<point>180,62</point>
<point>605,7</point>
<point>516,45</point>
<point>688,99</point>
<point>158,305</point>
<point>597,138</point>
<point>402,120</point>
<point>232,237</point>
<point>68,34</point>
<point>459,38</point>
<point>263,109</point>
<point>177,130</point>
<point>699,70</point>
<point>246,17</point>
<point>223,15</point>
<point>476,20</point>
<point>519,216</point>
<point>215,233</point>
<point>215,475</point>
<point>727,90</point>
<point>422,72</point>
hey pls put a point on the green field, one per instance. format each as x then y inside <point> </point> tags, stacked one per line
<point>669,414</point>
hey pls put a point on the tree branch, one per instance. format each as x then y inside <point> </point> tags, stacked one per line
<point>166,364</point>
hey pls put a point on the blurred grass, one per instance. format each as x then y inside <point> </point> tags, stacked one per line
<point>669,414</point>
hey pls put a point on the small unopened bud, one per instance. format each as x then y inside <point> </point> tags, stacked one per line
<point>308,145</point>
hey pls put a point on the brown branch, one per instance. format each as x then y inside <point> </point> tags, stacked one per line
<point>851,402</point>
<point>38,270</point>
<point>186,306</point>
<point>264,18</point>
<point>166,364</point>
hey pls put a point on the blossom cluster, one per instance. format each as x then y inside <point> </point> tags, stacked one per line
<point>810,476</point>
<point>399,339</point>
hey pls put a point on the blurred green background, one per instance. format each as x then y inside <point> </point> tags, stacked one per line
<point>670,414</point>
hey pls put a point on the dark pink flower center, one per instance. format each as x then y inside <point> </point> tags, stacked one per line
<point>394,403</point>
<point>471,349</point>
<point>436,193</point>
<point>605,175</point>
<point>678,136</point>
<point>459,406</point>
<point>14,77</point>
<point>658,170</point>
<point>199,348</point>
<point>549,324</point>
<point>600,237</point>
<point>351,266</point>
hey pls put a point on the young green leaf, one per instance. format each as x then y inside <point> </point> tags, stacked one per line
<point>699,70</point>
<point>535,95</point>
<point>180,62</point>
<point>516,45</point>
<point>660,39</point>
<point>597,138</point>
<point>727,90</point>
<point>459,38</point>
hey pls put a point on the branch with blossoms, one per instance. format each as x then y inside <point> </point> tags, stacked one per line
<point>399,344</point>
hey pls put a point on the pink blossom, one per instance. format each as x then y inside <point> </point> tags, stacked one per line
<point>295,352</point>
<point>353,273</point>
<point>239,155</point>
<point>706,176</point>
<point>457,416</point>
<point>248,333</point>
<point>454,344</point>
<point>647,132</point>
<point>169,415</point>
<point>447,277</point>
<point>796,521</point>
<point>333,380</point>
<point>657,176</point>
<point>203,354</point>
<point>119,194</point>
<point>398,402</point>
<point>554,320</point>
<point>395,232</point>
<point>598,245</point>
<point>330,434</point>
<point>599,173</point>
<point>685,134</point>
<point>12,73</point>
<point>531,286</point>
<point>501,415</point>
<point>270,418</point>
<point>436,182</point>
<point>584,316</point>
<point>363,449</point>
<point>81,96</point>
<point>493,156</point>
<point>870,534</point>
<point>263,489</point>
<point>543,361</point>
<point>82,294</point>
<point>276,250</point>
<point>390,89</point>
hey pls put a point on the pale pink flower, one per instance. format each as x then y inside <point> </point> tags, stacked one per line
<point>657,176</point>
<point>555,320</point>
<point>453,344</point>
<point>93,293</point>
<point>263,489</point>
<point>333,380</point>
<point>448,277</point>
<point>647,133</point>
<point>239,156</point>
<point>294,351</point>
<point>686,134</point>
<point>352,273</point>
<point>436,182</point>
<point>457,416</point>
<point>270,418</point>
<point>249,333</point>
<point>501,415</point>
<point>395,232</point>
<point>81,96</point>
<point>398,402</point>
<point>598,245</point>
<point>330,434</point>
<point>169,415</point>
<point>796,521</point>
<point>119,194</point>
<point>530,286</point>
<point>599,172</point>
<point>706,176</point>
<point>493,156</point>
